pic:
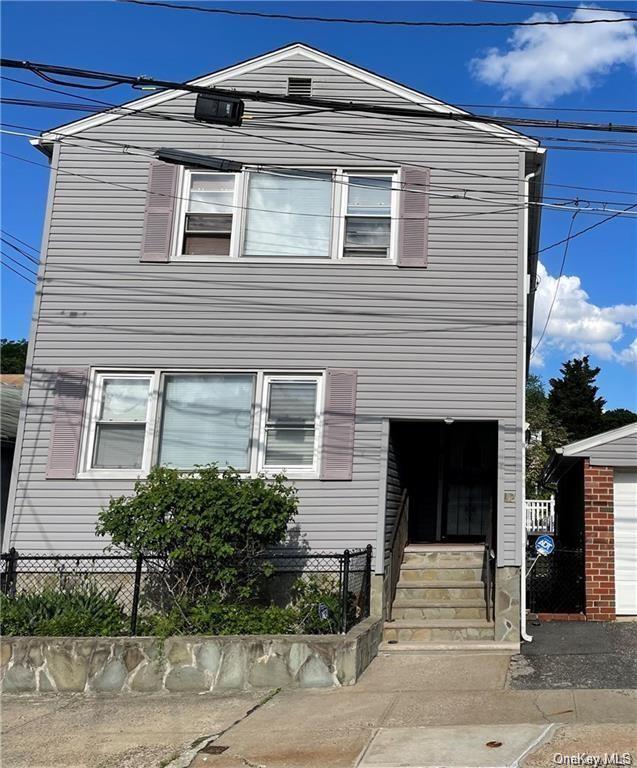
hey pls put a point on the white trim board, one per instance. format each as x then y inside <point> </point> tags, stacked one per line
<point>581,446</point>
<point>281,54</point>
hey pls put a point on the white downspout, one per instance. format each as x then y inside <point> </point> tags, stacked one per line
<point>523,633</point>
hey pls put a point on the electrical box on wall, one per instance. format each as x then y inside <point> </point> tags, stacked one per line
<point>223,110</point>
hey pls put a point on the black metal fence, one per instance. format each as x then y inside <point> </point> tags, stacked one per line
<point>555,582</point>
<point>344,577</point>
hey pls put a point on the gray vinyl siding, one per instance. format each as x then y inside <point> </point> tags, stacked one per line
<point>616,453</point>
<point>427,344</point>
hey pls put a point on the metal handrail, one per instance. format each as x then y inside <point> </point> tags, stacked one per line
<point>396,556</point>
<point>489,555</point>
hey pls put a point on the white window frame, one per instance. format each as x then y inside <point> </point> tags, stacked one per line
<point>239,218</point>
<point>153,420</point>
<point>344,177</point>
<point>184,184</point>
<point>92,417</point>
<point>291,471</point>
<point>163,374</point>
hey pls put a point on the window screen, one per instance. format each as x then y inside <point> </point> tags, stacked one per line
<point>289,215</point>
<point>207,419</point>
<point>209,212</point>
<point>120,429</point>
<point>290,423</point>
<point>368,217</point>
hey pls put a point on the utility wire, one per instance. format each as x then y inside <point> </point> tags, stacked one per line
<point>149,113</point>
<point>25,267</point>
<point>567,242</point>
<point>586,229</point>
<point>15,271</point>
<point>292,173</point>
<point>563,7</point>
<point>375,22</point>
<point>330,104</point>
<point>22,242</point>
<point>19,250</point>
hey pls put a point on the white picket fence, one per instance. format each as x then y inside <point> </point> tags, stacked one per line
<point>540,515</point>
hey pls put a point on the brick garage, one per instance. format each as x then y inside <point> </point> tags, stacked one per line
<point>596,510</point>
<point>599,542</point>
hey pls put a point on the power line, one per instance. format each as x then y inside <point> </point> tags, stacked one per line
<point>26,267</point>
<point>19,250</point>
<point>567,242</point>
<point>283,171</point>
<point>375,22</point>
<point>330,104</point>
<point>563,7</point>
<point>15,271</point>
<point>586,229</point>
<point>22,242</point>
<point>149,113</point>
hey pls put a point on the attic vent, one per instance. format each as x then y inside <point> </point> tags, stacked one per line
<point>299,86</point>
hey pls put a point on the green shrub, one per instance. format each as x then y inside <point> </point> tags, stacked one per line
<point>82,611</point>
<point>209,527</point>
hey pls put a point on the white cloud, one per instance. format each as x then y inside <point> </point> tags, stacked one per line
<point>576,326</point>
<point>629,354</point>
<point>543,63</point>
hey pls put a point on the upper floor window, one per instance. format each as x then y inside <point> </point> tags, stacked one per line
<point>288,214</point>
<point>208,215</point>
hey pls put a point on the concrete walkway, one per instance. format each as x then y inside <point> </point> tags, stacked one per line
<point>399,700</point>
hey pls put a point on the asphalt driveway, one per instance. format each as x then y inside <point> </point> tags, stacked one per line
<point>577,654</point>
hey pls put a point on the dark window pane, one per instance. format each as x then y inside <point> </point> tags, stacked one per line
<point>208,222</point>
<point>207,245</point>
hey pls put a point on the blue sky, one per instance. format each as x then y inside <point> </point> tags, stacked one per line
<point>575,67</point>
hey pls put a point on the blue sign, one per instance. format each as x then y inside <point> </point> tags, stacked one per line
<point>544,544</point>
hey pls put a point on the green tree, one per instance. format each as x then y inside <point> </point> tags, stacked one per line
<point>544,435</point>
<point>573,400</point>
<point>13,355</point>
<point>618,417</point>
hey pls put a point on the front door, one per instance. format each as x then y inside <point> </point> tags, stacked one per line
<point>469,482</point>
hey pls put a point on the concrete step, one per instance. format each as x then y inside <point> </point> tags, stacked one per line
<point>444,548</point>
<point>456,573</point>
<point>438,629</point>
<point>460,646</point>
<point>440,591</point>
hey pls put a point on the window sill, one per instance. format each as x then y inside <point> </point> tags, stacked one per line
<point>138,474</point>
<point>192,259</point>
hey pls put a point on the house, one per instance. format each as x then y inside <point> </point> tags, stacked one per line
<point>596,507</point>
<point>10,396</point>
<point>351,307</point>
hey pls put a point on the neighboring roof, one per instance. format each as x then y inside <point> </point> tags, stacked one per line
<point>10,398</point>
<point>280,54</point>
<point>615,448</point>
<point>12,379</point>
<point>583,447</point>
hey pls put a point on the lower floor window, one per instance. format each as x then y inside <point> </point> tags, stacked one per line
<point>250,421</point>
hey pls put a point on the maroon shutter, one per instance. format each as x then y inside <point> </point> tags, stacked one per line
<point>338,424</point>
<point>414,217</point>
<point>159,213</point>
<point>66,428</point>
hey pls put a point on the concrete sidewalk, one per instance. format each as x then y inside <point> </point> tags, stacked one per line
<point>406,697</point>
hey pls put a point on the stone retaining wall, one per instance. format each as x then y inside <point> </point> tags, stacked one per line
<point>145,664</point>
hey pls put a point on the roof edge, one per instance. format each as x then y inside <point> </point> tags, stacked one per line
<point>579,446</point>
<point>279,54</point>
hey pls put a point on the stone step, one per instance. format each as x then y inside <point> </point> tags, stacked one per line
<point>459,646</point>
<point>416,573</point>
<point>438,629</point>
<point>441,591</point>
<point>444,548</point>
<point>440,612</point>
<point>444,559</point>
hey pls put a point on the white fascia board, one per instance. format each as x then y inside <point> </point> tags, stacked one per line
<point>147,102</point>
<point>582,446</point>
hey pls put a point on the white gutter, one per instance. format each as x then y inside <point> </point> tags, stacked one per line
<point>523,633</point>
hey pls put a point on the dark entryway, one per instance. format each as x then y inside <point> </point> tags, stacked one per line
<point>450,473</point>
